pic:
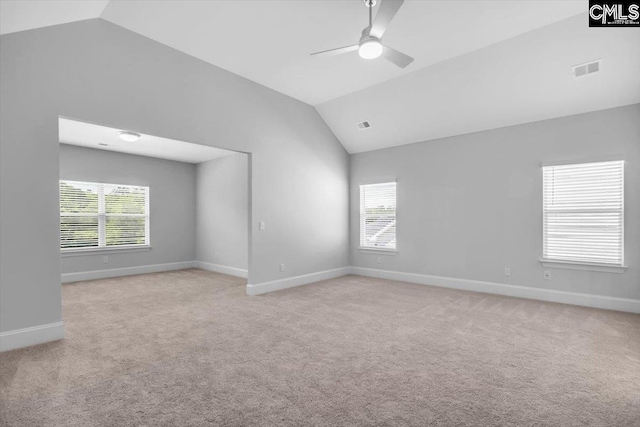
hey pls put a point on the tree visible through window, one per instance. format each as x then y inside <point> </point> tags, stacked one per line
<point>378,216</point>
<point>97,215</point>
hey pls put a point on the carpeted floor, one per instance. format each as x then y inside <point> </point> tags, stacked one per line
<point>189,348</point>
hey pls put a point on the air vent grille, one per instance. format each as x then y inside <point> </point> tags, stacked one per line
<point>588,68</point>
<point>364,125</point>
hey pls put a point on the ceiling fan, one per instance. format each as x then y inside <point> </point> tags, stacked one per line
<point>370,45</point>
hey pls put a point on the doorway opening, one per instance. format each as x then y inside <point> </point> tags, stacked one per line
<point>132,203</point>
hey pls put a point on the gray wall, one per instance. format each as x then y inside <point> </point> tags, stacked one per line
<point>223,211</point>
<point>471,205</point>
<point>97,72</point>
<point>172,208</point>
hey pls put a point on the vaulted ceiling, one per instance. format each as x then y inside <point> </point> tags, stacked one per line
<point>270,42</point>
<point>21,15</point>
<point>478,64</point>
<point>520,80</point>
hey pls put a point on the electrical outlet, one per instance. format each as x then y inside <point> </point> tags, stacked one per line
<point>507,271</point>
<point>281,267</point>
<point>379,260</point>
<point>215,255</point>
<point>547,275</point>
<point>261,225</point>
<point>105,259</point>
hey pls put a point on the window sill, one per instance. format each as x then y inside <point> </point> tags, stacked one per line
<point>101,251</point>
<point>379,251</point>
<point>574,265</point>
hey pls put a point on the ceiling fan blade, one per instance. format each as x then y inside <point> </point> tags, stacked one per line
<point>388,9</point>
<point>337,51</point>
<point>398,58</point>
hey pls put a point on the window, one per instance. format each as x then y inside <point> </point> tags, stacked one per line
<point>378,216</point>
<point>583,213</point>
<point>95,215</point>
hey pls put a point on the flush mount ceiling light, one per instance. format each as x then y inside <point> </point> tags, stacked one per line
<point>125,135</point>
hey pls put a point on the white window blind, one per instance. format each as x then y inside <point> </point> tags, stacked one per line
<point>378,216</point>
<point>583,213</point>
<point>97,215</point>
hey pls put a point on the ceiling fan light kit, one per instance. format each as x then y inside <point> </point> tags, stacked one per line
<point>370,45</point>
<point>370,49</point>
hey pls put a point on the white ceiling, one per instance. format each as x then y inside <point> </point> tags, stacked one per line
<point>479,64</point>
<point>89,135</point>
<point>270,42</point>
<point>23,15</point>
<point>523,79</point>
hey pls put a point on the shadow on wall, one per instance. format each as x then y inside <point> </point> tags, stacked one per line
<point>222,215</point>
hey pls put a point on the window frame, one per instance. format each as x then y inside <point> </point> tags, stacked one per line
<point>102,219</point>
<point>371,249</point>
<point>578,264</point>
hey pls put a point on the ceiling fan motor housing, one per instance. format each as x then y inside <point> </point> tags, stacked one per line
<point>367,37</point>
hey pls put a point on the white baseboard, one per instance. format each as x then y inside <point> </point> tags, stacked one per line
<point>587,300</point>
<point>126,271</point>
<point>26,337</point>
<point>290,282</point>
<point>232,271</point>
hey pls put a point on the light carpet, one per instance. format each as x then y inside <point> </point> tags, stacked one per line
<point>189,348</point>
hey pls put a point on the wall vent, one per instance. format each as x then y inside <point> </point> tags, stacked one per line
<point>588,68</point>
<point>364,125</point>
